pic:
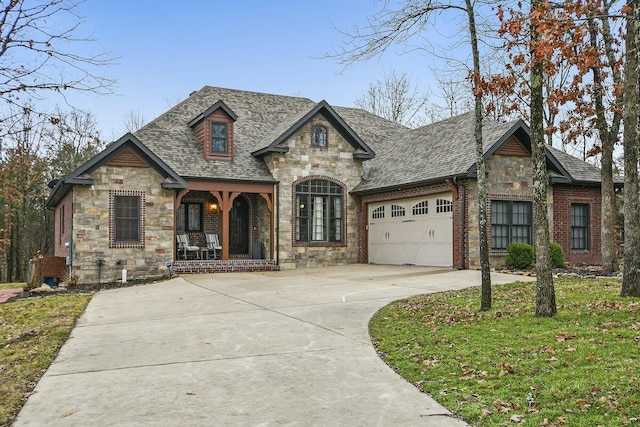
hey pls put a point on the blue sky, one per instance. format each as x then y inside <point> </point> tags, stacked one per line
<point>168,49</point>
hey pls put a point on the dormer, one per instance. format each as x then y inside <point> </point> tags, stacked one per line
<point>214,131</point>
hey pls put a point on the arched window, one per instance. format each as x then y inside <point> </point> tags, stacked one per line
<point>378,213</point>
<point>319,211</point>
<point>421,208</point>
<point>319,136</point>
<point>397,210</point>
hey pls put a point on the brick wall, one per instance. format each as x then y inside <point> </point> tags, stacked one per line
<point>62,225</point>
<point>564,196</point>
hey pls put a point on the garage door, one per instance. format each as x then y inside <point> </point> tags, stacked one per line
<point>416,231</point>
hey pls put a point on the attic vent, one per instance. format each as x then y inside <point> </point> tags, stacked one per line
<point>513,147</point>
<point>127,158</point>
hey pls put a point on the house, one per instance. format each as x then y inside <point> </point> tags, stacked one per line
<point>286,182</point>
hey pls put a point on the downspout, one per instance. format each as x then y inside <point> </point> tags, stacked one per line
<point>463,223</point>
<point>277,224</point>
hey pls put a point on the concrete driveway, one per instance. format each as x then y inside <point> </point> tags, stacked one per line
<point>241,349</point>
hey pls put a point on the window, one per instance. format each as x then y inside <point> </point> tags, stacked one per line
<point>510,222</point>
<point>218,138</point>
<point>443,205</point>
<point>579,226</point>
<point>189,217</point>
<point>378,213</point>
<point>319,136</point>
<point>319,211</point>
<point>421,208</point>
<point>397,210</point>
<point>126,219</point>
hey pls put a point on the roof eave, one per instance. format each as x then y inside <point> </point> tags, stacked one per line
<point>269,150</point>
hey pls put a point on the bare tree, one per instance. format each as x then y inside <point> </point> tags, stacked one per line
<point>399,26</point>
<point>134,121</point>
<point>396,99</point>
<point>37,42</point>
<point>631,273</point>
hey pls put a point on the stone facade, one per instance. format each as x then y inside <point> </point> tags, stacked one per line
<point>91,232</point>
<point>335,163</point>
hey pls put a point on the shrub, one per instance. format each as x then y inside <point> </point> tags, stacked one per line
<point>557,255</point>
<point>520,255</point>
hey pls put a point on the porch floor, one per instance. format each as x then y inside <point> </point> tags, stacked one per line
<point>220,266</point>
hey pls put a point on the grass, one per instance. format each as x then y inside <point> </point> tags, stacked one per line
<point>506,367</point>
<point>12,285</point>
<point>31,333</point>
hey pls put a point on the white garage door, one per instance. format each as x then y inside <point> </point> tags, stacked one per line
<point>417,231</point>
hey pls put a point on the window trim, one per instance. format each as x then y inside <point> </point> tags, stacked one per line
<point>226,138</point>
<point>113,197</point>
<point>316,131</point>
<point>585,227</point>
<point>186,227</point>
<point>510,224</point>
<point>334,220</point>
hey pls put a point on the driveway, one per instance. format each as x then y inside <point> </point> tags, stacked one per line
<point>284,348</point>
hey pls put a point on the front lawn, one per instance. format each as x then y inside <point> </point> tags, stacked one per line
<point>31,333</point>
<point>506,367</point>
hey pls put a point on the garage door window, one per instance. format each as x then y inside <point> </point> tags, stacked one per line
<point>443,205</point>
<point>510,222</point>
<point>421,208</point>
<point>397,210</point>
<point>319,211</point>
<point>378,213</point>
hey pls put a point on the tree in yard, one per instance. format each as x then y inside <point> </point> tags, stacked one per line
<point>631,273</point>
<point>392,27</point>
<point>395,99</point>
<point>70,140</point>
<point>35,54</point>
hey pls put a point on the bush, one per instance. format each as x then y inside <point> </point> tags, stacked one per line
<point>557,255</point>
<point>520,255</point>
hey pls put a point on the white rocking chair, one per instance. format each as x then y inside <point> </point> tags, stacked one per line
<point>184,247</point>
<point>213,244</point>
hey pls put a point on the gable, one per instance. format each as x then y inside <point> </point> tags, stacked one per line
<point>127,151</point>
<point>287,128</point>
<point>513,147</point>
<point>218,116</point>
<point>128,158</point>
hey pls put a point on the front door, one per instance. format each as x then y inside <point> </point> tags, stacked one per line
<point>239,227</point>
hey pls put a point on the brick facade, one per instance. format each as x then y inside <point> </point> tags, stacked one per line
<point>564,197</point>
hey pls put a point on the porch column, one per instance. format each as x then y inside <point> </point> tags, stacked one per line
<point>227,203</point>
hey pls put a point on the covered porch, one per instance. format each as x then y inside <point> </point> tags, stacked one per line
<point>239,215</point>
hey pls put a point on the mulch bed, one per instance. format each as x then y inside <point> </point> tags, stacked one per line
<point>84,288</point>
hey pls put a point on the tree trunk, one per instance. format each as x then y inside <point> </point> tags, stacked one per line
<point>608,135</point>
<point>485,267</point>
<point>545,295</point>
<point>631,276</point>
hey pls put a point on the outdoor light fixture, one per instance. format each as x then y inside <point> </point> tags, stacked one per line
<point>213,207</point>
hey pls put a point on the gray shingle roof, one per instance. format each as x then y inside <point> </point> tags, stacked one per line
<point>578,170</point>
<point>403,156</point>
<point>261,119</point>
<point>171,138</point>
<point>430,153</point>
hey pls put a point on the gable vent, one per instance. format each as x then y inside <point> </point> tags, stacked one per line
<point>513,147</point>
<point>127,158</point>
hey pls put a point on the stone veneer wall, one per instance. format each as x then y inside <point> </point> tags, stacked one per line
<point>91,226</point>
<point>334,162</point>
<point>508,178</point>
